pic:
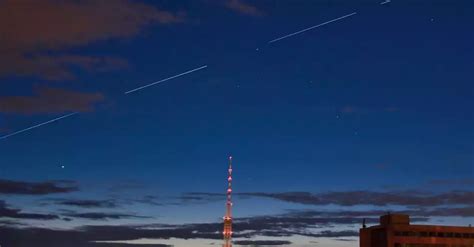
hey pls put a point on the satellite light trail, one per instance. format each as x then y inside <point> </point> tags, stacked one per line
<point>310,28</point>
<point>385,2</point>
<point>38,125</point>
<point>166,79</point>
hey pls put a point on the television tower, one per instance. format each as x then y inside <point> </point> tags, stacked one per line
<point>228,213</point>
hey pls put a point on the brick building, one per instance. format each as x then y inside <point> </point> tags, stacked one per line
<point>395,231</point>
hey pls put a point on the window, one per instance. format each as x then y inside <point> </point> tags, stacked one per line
<point>420,245</point>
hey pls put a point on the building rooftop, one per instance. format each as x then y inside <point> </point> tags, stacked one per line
<point>394,219</point>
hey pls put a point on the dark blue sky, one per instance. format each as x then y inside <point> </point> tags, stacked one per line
<point>379,101</point>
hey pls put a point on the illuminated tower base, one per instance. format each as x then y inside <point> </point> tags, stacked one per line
<point>227,243</point>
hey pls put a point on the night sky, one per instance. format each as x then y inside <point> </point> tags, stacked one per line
<point>362,115</point>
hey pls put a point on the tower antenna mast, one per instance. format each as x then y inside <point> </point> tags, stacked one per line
<point>228,213</point>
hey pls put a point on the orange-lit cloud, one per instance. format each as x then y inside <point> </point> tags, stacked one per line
<point>50,100</point>
<point>243,8</point>
<point>58,67</point>
<point>29,28</point>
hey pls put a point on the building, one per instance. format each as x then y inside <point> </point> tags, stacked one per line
<point>395,230</point>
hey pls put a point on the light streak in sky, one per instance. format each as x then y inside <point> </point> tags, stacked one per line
<point>188,72</point>
<point>131,91</point>
<point>385,2</point>
<point>166,79</point>
<point>38,125</point>
<point>310,28</point>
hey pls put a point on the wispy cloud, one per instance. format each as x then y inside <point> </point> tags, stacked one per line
<point>83,236</point>
<point>85,203</point>
<point>103,216</point>
<point>59,67</point>
<point>36,188</point>
<point>200,197</point>
<point>242,7</point>
<point>418,213</point>
<point>351,198</point>
<point>452,182</point>
<point>7,212</point>
<point>50,100</point>
<point>262,242</point>
<point>30,29</point>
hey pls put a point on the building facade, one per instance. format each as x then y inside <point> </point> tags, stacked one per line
<point>395,230</point>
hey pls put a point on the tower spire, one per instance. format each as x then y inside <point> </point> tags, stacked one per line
<point>228,213</point>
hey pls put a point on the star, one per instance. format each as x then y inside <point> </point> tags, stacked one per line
<point>62,166</point>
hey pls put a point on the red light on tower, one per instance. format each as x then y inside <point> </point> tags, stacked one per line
<point>228,213</point>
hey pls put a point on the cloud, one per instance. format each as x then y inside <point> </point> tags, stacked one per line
<point>288,224</point>
<point>41,237</point>
<point>200,197</point>
<point>11,223</point>
<point>50,100</point>
<point>295,223</point>
<point>242,7</point>
<point>31,29</point>
<point>418,214</point>
<point>453,211</point>
<point>351,198</point>
<point>422,204</point>
<point>31,188</point>
<point>282,225</point>
<point>152,200</point>
<point>261,242</point>
<point>102,244</point>
<point>291,223</point>
<point>345,239</point>
<point>84,236</point>
<point>452,182</point>
<point>103,216</point>
<point>86,203</point>
<point>190,198</point>
<point>91,244</point>
<point>6,212</point>
<point>57,67</point>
